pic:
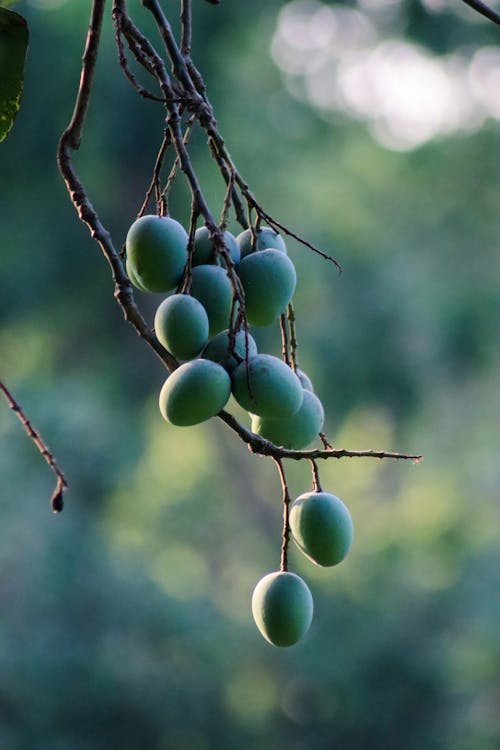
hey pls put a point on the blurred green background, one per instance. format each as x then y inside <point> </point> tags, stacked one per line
<point>372,130</point>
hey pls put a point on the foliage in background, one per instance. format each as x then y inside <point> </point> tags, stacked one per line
<point>126,619</point>
<point>14,37</point>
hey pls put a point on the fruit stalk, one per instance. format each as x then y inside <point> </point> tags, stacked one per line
<point>190,90</point>
<point>285,534</point>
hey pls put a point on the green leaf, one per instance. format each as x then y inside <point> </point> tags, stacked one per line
<point>14,37</point>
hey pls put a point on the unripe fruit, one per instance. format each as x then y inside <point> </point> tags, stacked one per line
<point>194,392</point>
<point>282,607</point>
<point>181,325</point>
<point>305,380</point>
<point>268,278</point>
<point>269,387</point>
<point>265,239</point>
<point>322,527</point>
<point>217,349</point>
<point>133,278</point>
<point>204,251</point>
<point>157,252</point>
<point>297,431</point>
<point>211,286</point>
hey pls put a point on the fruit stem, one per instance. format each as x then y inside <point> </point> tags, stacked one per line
<point>315,476</point>
<point>285,535</point>
<point>284,340</point>
<point>290,314</point>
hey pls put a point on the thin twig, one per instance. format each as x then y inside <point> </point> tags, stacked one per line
<point>220,148</point>
<point>154,185</point>
<point>326,443</point>
<point>285,353</point>
<point>70,142</point>
<point>484,10</point>
<point>116,15</point>
<point>263,447</point>
<point>290,314</point>
<point>186,24</point>
<point>316,483</point>
<point>175,166</point>
<point>179,66</point>
<point>226,204</point>
<point>228,176</point>
<point>285,534</point>
<point>185,90</point>
<point>61,483</point>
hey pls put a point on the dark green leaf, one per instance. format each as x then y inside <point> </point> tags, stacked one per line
<point>14,38</point>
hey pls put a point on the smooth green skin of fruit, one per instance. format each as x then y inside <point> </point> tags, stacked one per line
<point>268,278</point>
<point>322,527</point>
<point>203,249</point>
<point>218,349</point>
<point>305,380</point>
<point>194,392</point>
<point>266,238</point>
<point>133,278</point>
<point>295,432</point>
<point>157,252</point>
<point>181,325</point>
<point>211,286</point>
<point>275,390</point>
<point>282,607</point>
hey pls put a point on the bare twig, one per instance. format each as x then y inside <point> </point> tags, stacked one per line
<point>285,352</point>
<point>154,185</point>
<point>186,87</point>
<point>263,447</point>
<point>326,443</point>
<point>290,314</point>
<point>61,483</point>
<point>117,18</point>
<point>484,10</point>
<point>316,483</point>
<point>186,24</point>
<point>175,166</point>
<point>70,142</point>
<point>285,534</point>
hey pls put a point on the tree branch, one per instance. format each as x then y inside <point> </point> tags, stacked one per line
<point>484,10</point>
<point>70,142</point>
<point>258,444</point>
<point>191,92</point>
<point>61,483</point>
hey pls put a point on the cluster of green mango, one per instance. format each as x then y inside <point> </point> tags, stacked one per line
<point>282,603</point>
<point>217,361</point>
<point>195,328</point>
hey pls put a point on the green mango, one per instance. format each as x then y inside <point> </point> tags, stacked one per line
<point>194,392</point>
<point>217,349</point>
<point>282,607</point>
<point>203,249</point>
<point>181,325</point>
<point>265,239</point>
<point>269,388</point>
<point>322,527</point>
<point>211,286</point>
<point>268,278</point>
<point>295,432</point>
<point>156,249</point>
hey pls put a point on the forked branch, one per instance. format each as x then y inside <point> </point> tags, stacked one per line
<point>183,90</point>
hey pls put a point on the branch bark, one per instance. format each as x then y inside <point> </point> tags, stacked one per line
<point>61,483</point>
<point>185,89</point>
